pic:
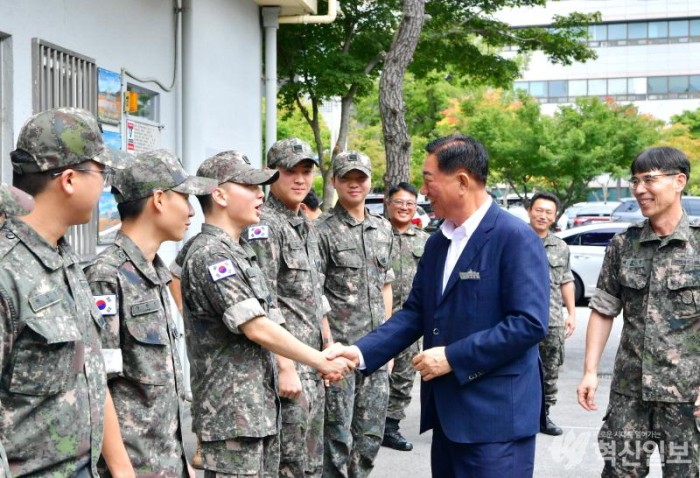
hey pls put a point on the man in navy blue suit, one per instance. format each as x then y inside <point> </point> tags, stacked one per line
<point>480,299</point>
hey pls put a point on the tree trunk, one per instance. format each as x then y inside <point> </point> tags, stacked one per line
<point>397,143</point>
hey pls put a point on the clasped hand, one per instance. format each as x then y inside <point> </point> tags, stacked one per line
<point>339,362</point>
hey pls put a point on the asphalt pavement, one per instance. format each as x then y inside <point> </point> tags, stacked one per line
<point>571,455</point>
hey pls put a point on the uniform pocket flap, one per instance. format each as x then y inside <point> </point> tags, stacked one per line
<point>633,279</point>
<point>683,281</point>
<point>55,329</point>
<point>147,330</point>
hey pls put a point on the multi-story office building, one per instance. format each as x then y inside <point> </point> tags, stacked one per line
<point>648,54</point>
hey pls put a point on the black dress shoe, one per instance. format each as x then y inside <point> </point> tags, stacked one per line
<point>550,428</point>
<point>393,439</point>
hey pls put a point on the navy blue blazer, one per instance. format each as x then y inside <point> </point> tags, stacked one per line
<point>491,317</point>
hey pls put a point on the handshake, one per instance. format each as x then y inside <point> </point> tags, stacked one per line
<point>340,360</point>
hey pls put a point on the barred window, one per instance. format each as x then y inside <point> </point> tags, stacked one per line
<point>65,78</point>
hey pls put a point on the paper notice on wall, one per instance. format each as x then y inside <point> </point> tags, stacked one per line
<point>141,137</point>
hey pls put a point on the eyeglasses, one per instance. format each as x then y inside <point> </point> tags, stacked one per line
<point>107,173</point>
<point>400,203</point>
<point>649,180</point>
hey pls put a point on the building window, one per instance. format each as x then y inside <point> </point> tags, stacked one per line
<point>694,84</point>
<point>619,89</point>
<point>65,78</point>
<point>148,103</point>
<point>658,30</point>
<point>597,88</point>
<point>657,85</point>
<point>637,31</point>
<point>617,86</point>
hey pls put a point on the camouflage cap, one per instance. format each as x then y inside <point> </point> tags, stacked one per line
<point>63,137</point>
<point>346,161</point>
<point>157,170</point>
<point>14,202</point>
<point>287,153</point>
<point>234,167</point>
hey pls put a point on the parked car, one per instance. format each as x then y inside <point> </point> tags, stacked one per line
<point>570,213</point>
<point>587,246</point>
<point>421,218</point>
<point>629,211</point>
<point>595,212</point>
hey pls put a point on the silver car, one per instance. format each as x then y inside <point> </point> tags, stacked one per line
<point>587,246</point>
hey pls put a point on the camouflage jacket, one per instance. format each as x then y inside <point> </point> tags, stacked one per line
<point>53,382</point>
<point>139,347</point>
<point>405,253</point>
<point>356,260</point>
<point>559,274</point>
<point>655,282</point>
<point>288,255</point>
<point>234,384</point>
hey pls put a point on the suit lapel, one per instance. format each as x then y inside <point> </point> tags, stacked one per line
<point>471,251</point>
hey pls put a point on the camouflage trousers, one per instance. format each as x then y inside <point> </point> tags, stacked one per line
<point>401,381</point>
<point>552,355</point>
<point>354,428</point>
<point>242,456</point>
<point>301,435</point>
<point>633,429</point>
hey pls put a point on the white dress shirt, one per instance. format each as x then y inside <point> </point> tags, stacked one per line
<point>459,236</point>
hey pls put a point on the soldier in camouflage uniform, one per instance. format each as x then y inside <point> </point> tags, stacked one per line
<point>409,242</point>
<point>356,257</point>
<point>543,213</point>
<point>288,256</point>
<point>311,205</point>
<point>231,328</point>
<point>129,284</point>
<point>53,384</point>
<point>650,274</point>
<point>13,202</point>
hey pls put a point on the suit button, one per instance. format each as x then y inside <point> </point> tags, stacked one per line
<point>436,331</point>
<point>473,376</point>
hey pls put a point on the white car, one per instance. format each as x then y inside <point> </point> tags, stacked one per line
<point>587,246</point>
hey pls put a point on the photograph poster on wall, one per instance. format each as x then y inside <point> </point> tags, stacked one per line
<point>109,97</point>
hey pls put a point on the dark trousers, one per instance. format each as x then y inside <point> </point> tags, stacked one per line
<point>513,459</point>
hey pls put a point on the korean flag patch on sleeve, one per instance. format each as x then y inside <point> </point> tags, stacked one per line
<point>258,232</point>
<point>221,270</point>
<point>106,304</point>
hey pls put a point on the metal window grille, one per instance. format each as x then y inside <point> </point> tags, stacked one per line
<point>64,78</point>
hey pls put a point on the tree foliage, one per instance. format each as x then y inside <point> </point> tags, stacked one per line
<point>343,59</point>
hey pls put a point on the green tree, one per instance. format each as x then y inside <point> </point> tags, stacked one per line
<point>342,59</point>
<point>679,136</point>
<point>591,138</point>
<point>467,37</point>
<point>691,119</point>
<point>337,60</point>
<point>561,154</point>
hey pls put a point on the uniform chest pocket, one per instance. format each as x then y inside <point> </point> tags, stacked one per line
<point>684,293</point>
<point>344,276</point>
<point>145,347</point>
<point>47,356</point>
<point>295,257</point>
<point>418,252</point>
<point>634,277</point>
<point>556,260</point>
